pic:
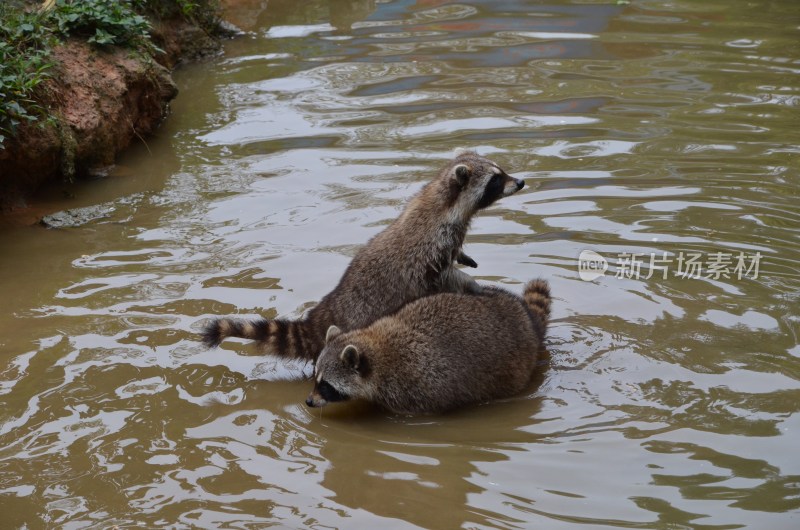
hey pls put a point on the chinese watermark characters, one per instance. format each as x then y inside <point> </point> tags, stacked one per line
<point>686,265</point>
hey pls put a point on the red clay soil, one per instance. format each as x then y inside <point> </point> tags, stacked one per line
<point>100,101</point>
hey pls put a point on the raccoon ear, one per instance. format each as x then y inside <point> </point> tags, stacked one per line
<point>350,356</point>
<point>332,333</point>
<point>458,151</point>
<point>461,173</point>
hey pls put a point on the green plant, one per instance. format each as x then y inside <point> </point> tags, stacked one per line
<point>102,22</point>
<point>24,64</point>
<point>27,34</point>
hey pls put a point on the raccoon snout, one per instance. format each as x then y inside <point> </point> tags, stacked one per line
<point>313,401</point>
<point>512,186</point>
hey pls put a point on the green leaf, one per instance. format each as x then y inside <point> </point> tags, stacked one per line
<point>14,106</point>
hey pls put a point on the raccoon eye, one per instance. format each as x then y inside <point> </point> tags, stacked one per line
<point>492,191</point>
<point>329,393</point>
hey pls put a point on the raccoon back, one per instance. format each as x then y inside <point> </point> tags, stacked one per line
<point>450,350</point>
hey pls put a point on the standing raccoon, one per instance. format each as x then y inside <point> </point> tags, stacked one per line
<point>437,353</point>
<point>413,257</point>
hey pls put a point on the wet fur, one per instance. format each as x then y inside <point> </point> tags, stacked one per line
<point>438,353</point>
<point>413,257</point>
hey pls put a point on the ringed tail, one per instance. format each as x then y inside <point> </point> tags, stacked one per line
<point>537,298</point>
<point>284,338</point>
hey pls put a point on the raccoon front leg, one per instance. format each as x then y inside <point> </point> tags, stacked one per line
<point>463,259</point>
<point>458,281</point>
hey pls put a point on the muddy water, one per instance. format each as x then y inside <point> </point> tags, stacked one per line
<point>660,136</point>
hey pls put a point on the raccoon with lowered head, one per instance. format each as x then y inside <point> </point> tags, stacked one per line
<point>437,353</point>
<point>413,257</point>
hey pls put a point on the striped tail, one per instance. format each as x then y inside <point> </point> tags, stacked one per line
<point>284,338</point>
<point>537,298</point>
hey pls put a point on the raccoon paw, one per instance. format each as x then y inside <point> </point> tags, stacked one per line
<point>469,262</point>
<point>463,259</point>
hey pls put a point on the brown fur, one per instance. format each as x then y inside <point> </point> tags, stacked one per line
<point>438,353</point>
<point>413,257</point>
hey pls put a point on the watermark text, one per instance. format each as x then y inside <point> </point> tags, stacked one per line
<point>686,265</point>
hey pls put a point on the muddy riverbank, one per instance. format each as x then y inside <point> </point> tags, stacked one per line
<point>99,100</point>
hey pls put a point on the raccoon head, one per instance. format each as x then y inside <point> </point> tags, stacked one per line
<point>475,182</point>
<point>339,372</point>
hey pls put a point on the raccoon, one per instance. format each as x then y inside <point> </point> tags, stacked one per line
<point>413,257</point>
<point>437,353</point>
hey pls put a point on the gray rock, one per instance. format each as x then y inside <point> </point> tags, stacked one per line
<point>77,216</point>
